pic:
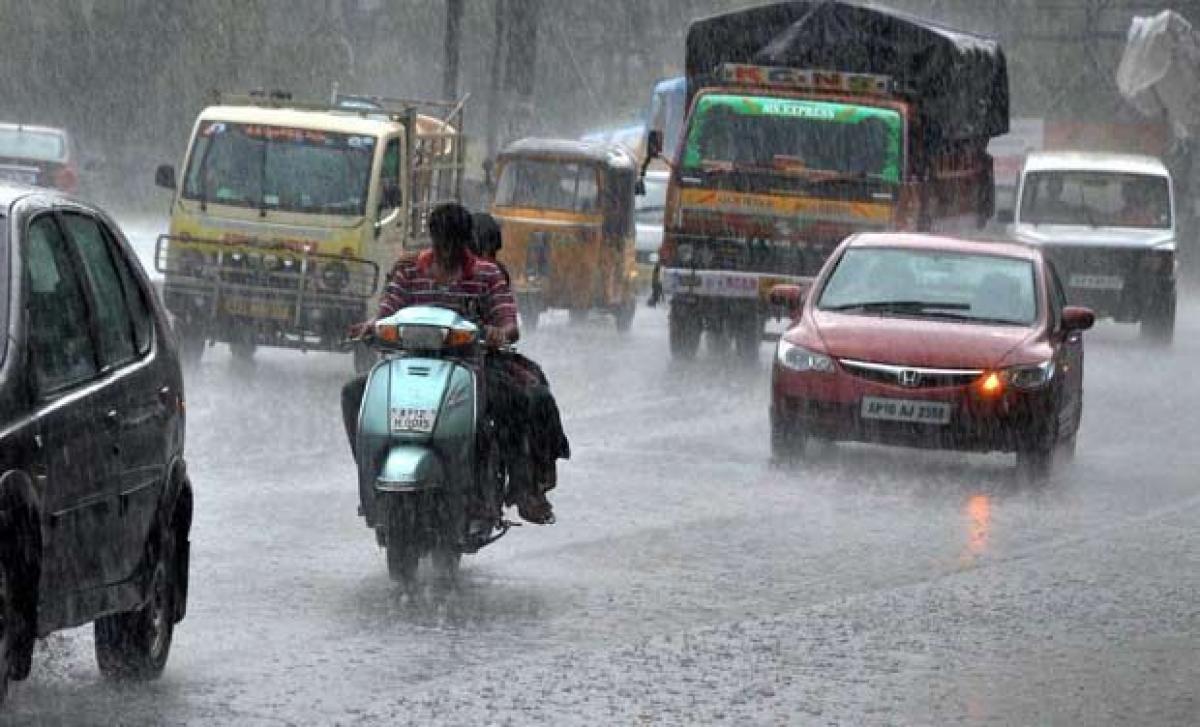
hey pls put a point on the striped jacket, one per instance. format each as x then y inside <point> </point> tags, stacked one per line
<point>481,292</point>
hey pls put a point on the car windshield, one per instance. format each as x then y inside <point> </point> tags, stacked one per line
<point>649,206</point>
<point>554,185</point>
<point>792,135</point>
<point>39,145</point>
<point>1096,199</point>
<point>280,168</point>
<point>932,284</point>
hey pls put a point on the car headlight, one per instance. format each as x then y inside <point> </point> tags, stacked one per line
<point>686,253</point>
<point>798,358</point>
<point>1033,376</point>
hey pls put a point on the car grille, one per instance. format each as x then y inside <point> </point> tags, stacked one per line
<point>910,377</point>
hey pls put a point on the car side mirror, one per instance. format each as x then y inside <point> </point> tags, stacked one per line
<point>787,299</point>
<point>164,176</point>
<point>1077,318</point>
<point>654,143</point>
<point>1005,217</point>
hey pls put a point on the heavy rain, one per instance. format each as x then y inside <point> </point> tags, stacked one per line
<point>835,365</point>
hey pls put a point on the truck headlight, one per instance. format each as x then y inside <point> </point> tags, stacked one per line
<point>798,358</point>
<point>686,253</point>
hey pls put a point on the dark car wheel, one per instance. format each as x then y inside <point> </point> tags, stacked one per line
<point>684,331</point>
<point>1158,324</point>
<point>135,645</point>
<point>403,554</point>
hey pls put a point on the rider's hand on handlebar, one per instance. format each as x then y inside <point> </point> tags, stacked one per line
<point>358,331</point>
<point>495,337</point>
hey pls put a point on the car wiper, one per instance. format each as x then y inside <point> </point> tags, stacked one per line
<point>899,306</point>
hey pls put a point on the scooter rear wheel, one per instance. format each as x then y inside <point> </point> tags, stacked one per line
<point>402,552</point>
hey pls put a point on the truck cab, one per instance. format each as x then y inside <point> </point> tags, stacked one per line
<point>1107,222</point>
<point>287,214</point>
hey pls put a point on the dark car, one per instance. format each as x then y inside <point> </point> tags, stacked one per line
<point>95,502</point>
<point>933,342</point>
<point>38,155</point>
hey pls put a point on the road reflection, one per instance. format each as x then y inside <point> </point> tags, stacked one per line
<point>978,515</point>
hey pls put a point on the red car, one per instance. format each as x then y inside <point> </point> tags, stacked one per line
<point>931,342</point>
<point>40,156</point>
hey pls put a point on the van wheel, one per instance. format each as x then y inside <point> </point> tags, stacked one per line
<point>1158,325</point>
<point>135,645</point>
<point>684,330</point>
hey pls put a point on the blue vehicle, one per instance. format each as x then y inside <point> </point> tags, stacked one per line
<point>430,477</point>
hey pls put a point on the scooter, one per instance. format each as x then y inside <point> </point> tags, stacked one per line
<point>430,477</point>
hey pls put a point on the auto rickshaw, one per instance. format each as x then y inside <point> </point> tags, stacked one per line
<point>566,211</point>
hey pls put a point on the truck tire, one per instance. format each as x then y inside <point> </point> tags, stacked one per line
<point>684,329</point>
<point>191,343</point>
<point>747,337</point>
<point>1158,322</point>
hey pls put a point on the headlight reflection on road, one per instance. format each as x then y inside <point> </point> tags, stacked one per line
<point>978,511</point>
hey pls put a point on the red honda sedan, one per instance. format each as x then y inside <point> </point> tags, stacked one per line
<point>932,342</point>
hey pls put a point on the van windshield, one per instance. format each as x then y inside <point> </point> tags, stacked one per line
<point>553,185</point>
<point>280,168</point>
<point>1096,199</point>
<point>794,135</point>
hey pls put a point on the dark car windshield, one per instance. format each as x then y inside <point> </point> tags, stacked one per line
<point>794,136</point>
<point>280,168</point>
<point>4,289</point>
<point>932,284</point>
<point>1096,199</point>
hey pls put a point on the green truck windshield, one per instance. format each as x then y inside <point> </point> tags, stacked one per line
<point>794,135</point>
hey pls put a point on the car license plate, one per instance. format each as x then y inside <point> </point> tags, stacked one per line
<point>413,420</point>
<point>1096,282</point>
<point>257,309</point>
<point>905,410</point>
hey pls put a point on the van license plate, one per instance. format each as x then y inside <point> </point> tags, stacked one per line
<point>1096,282</point>
<point>906,410</point>
<point>413,420</point>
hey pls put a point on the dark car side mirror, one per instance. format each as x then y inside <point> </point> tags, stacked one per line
<point>787,299</point>
<point>164,176</point>
<point>1005,217</point>
<point>1077,318</point>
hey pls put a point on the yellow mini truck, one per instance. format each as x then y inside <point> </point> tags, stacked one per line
<point>566,212</point>
<point>288,215</point>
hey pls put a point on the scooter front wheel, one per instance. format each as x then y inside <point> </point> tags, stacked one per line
<point>402,551</point>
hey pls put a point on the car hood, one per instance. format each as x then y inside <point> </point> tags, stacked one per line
<point>917,342</point>
<point>1079,236</point>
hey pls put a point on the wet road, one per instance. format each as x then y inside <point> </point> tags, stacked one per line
<point>687,580</point>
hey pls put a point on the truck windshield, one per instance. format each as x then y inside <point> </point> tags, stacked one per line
<point>548,185</point>
<point>1096,199</point>
<point>280,168</point>
<point>793,135</point>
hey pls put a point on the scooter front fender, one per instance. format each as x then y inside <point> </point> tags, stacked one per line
<point>410,468</point>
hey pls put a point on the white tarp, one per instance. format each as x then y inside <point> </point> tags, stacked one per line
<point>1160,70</point>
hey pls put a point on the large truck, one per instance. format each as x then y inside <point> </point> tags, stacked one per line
<point>287,214</point>
<point>807,122</point>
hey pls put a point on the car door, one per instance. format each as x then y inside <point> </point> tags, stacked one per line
<point>73,418</point>
<point>1069,357</point>
<point>141,387</point>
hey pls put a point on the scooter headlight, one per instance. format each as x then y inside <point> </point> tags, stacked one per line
<point>798,358</point>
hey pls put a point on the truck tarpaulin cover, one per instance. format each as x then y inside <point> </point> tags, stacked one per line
<point>1160,69</point>
<point>959,80</point>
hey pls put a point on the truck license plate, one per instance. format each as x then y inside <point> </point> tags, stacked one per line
<point>906,410</point>
<point>413,420</point>
<point>1096,282</point>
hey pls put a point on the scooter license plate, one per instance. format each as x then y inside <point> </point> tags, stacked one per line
<point>413,420</point>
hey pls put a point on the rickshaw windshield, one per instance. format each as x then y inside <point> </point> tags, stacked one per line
<point>567,186</point>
